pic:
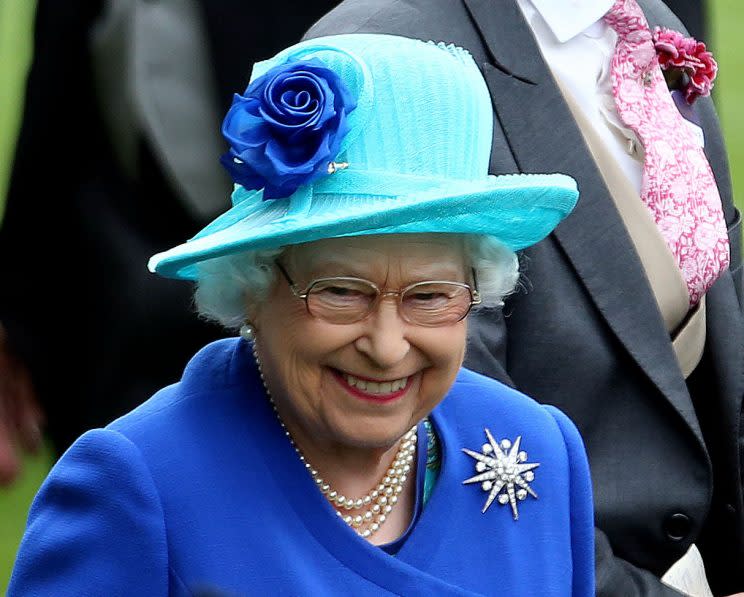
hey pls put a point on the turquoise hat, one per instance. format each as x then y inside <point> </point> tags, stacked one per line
<point>365,134</point>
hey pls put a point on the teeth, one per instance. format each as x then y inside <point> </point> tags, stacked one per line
<point>373,387</point>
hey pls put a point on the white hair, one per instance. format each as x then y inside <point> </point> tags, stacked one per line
<point>226,285</point>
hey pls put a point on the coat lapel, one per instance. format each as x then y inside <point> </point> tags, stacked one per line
<point>539,128</point>
<point>153,75</point>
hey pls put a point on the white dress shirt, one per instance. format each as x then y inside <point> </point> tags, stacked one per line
<point>577,46</point>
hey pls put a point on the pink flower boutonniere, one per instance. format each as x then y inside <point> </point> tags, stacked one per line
<point>687,64</point>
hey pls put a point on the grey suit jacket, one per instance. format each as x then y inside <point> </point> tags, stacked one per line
<point>585,333</point>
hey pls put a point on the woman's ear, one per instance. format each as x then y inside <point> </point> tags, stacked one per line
<point>256,305</point>
<point>249,328</point>
<point>252,312</point>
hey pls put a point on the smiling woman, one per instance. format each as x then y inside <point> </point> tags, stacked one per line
<point>339,429</point>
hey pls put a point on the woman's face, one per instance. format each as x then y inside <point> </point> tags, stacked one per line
<point>324,377</point>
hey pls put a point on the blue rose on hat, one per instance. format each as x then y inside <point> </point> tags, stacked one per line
<point>287,127</point>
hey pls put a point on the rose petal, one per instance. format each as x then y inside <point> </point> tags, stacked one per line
<point>297,82</point>
<point>298,102</point>
<point>341,132</point>
<point>284,163</point>
<point>245,130</point>
<point>242,173</point>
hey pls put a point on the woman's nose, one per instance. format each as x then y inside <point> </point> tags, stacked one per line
<point>384,339</point>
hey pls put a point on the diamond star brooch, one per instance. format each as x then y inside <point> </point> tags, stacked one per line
<point>504,472</point>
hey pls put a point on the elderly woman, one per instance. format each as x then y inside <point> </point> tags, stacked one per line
<point>337,446</point>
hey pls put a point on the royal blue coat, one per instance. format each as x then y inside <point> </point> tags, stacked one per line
<point>199,490</point>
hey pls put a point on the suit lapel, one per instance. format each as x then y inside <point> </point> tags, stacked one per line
<point>175,95</point>
<point>543,137</point>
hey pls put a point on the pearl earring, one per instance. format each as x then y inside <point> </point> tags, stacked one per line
<point>247,332</point>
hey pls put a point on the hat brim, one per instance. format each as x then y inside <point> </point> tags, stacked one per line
<point>519,210</point>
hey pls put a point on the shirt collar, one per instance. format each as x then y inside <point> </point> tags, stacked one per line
<point>567,18</point>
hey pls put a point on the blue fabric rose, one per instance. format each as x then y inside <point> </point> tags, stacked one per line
<point>287,127</point>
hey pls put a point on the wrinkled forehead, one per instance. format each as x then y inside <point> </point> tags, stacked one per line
<point>399,256</point>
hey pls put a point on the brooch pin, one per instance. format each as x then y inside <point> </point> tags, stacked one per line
<point>503,471</point>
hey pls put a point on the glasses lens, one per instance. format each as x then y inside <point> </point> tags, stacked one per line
<point>436,303</point>
<point>340,300</point>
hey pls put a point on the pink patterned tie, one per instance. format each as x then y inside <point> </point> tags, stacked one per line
<point>677,184</point>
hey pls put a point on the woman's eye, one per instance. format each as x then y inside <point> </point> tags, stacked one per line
<point>428,299</point>
<point>342,291</point>
<point>427,296</point>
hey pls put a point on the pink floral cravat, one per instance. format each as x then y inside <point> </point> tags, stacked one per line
<point>677,184</point>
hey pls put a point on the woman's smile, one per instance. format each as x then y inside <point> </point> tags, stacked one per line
<point>367,388</point>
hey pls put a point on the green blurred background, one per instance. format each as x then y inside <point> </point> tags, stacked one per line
<point>16,22</point>
<point>727,43</point>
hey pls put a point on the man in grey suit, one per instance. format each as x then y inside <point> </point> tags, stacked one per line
<point>658,402</point>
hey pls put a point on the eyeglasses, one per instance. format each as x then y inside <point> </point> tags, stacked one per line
<point>345,300</point>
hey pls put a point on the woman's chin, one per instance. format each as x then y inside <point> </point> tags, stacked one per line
<point>364,419</point>
<point>370,433</point>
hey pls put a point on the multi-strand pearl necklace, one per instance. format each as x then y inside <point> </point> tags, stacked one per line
<point>368,513</point>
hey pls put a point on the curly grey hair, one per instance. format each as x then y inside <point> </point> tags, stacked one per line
<point>227,284</point>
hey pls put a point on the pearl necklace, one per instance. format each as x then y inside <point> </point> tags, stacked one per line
<point>373,509</point>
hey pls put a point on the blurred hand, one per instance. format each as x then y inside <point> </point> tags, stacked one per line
<point>21,417</point>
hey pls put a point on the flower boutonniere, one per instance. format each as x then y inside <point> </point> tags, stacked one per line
<point>687,65</point>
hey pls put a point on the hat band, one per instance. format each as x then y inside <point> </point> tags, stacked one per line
<point>373,183</point>
<point>378,183</point>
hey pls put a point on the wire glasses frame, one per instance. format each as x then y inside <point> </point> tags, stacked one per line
<point>346,300</point>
